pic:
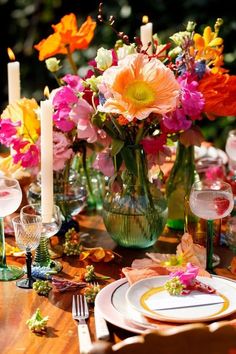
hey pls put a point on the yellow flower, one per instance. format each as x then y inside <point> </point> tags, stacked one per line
<point>24,110</point>
<point>209,47</point>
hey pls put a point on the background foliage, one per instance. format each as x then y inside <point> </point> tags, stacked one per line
<point>29,21</point>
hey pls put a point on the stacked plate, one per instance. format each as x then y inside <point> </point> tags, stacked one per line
<point>147,305</point>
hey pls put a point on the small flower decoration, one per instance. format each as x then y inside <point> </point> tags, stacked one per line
<point>183,282</point>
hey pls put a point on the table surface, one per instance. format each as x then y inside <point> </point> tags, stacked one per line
<point>17,305</point>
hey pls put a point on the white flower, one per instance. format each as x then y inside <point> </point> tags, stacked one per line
<point>104,58</point>
<point>125,50</point>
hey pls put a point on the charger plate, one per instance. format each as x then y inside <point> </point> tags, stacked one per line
<point>112,305</point>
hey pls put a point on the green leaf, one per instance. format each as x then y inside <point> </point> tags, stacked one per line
<point>129,160</point>
<point>116,146</point>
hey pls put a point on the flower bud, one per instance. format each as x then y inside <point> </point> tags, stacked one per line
<point>53,64</point>
<point>103,59</point>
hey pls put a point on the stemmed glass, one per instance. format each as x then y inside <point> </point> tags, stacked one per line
<point>49,228</point>
<point>10,199</point>
<point>211,200</point>
<point>27,233</point>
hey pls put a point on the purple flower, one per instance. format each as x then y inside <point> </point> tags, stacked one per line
<point>63,102</point>
<point>186,277</point>
<point>74,82</point>
<point>176,121</point>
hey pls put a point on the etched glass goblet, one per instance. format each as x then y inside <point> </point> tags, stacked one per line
<point>42,256</point>
<point>27,232</point>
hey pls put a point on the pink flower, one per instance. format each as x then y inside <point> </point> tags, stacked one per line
<point>61,151</point>
<point>8,131</point>
<point>186,277</point>
<point>104,163</point>
<point>26,153</point>
<point>81,114</point>
<point>74,82</point>
<point>215,172</point>
<point>63,102</point>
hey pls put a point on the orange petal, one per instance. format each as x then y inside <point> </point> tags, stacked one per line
<point>109,256</point>
<point>97,255</point>
<point>84,255</point>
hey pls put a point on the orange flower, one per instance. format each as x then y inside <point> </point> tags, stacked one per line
<point>122,120</point>
<point>138,87</point>
<point>67,37</point>
<point>219,91</point>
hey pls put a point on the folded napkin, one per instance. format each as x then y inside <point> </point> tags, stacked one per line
<point>160,264</point>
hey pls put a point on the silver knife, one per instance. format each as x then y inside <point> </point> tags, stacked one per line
<point>101,327</point>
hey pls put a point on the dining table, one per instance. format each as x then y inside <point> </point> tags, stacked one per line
<point>18,305</point>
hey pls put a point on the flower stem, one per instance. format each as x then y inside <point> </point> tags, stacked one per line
<point>84,162</point>
<point>71,61</point>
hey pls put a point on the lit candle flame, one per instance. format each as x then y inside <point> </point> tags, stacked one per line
<point>46,92</point>
<point>145,19</point>
<point>11,54</point>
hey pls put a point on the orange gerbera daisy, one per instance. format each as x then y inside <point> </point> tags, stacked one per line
<point>67,37</point>
<point>219,91</point>
<point>138,87</point>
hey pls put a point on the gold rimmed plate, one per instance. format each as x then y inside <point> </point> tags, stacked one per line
<point>149,297</point>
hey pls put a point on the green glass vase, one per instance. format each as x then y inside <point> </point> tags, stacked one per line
<point>183,174</point>
<point>134,213</point>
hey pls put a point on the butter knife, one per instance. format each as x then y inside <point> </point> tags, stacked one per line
<point>101,327</point>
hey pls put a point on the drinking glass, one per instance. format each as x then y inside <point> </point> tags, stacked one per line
<point>211,200</point>
<point>27,233</point>
<point>10,199</point>
<point>49,228</point>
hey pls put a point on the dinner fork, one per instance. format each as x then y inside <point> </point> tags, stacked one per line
<point>80,313</point>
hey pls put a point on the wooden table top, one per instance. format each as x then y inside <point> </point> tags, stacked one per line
<point>17,305</point>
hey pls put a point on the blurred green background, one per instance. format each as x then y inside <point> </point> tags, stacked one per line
<point>29,21</point>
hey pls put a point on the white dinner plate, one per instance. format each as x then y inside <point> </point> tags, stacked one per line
<point>111,303</point>
<point>149,297</point>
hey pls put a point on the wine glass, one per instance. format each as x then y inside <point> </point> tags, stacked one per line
<point>10,199</point>
<point>211,200</point>
<point>49,228</point>
<point>27,233</point>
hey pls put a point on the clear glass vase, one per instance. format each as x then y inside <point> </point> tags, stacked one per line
<point>69,195</point>
<point>134,214</point>
<point>183,174</point>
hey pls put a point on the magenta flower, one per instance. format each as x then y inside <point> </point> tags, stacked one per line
<point>8,131</point>
<point>175,121</point>
<point>191,99</point>
<point>26,153</point>
<point>188,276</point>
<point>63,102</point>
<point>104,163</point>
<point>61,151</point>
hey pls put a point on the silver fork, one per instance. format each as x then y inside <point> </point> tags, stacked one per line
<point>80,313</point>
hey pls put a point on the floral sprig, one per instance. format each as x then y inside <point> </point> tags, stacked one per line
<point>90,274</point>
<point>42,287</point>
<point>37,323</point>
<point>183,282</point>
<point>90,292</point>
